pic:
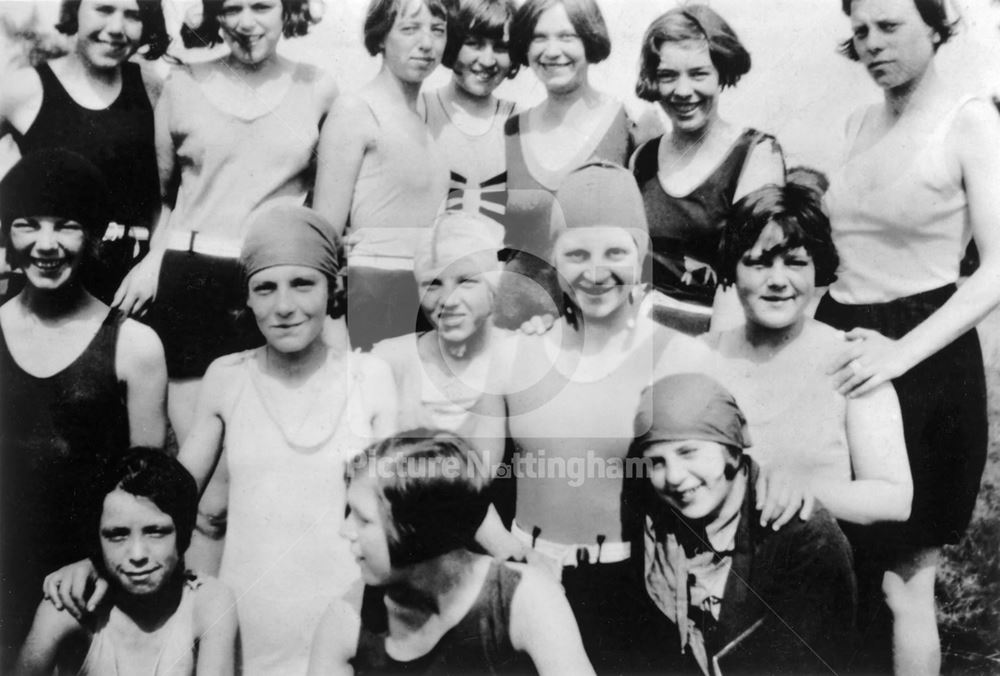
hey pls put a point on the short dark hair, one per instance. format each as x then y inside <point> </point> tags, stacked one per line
<point>481,20</point>
<point>587,20</point>
<point>382,15</point>
<point>155,37</point>
<point>431,491</point>
<point>933,12</point>
<point>145,473</point>
<point>696,23</point>
<point>797,210</point>
<point>295,16</point>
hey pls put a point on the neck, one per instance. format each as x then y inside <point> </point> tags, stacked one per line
<point>763,337</point>
<point>106,76</point>
<point>296,365</point>
<point>594,334</point>
<point>913,93</point>
<point>407,92</point>
<point>472,105</point>
<point>558,102</point>
<point>152,612</point>
<point>688,140</point>
<point>432,586</point>
<point>57,303</point>
<point>478,343</point>
<point>258,69</point>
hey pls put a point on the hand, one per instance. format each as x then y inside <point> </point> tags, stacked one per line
<point>538,325</point>
<point>780,496</point>
<point>138,289</point>
<point>68,588</point>
<point>869,360</point>
<point>350,239</point>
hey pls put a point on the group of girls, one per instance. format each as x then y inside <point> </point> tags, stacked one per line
<point>607,271</point>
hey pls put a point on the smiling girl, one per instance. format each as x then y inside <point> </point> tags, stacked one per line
<point>97,103</point>
<point>691,176</point>
<point>380,171</point>
<point>81,383</point>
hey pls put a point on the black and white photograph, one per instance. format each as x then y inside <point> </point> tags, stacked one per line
<point>456,337</point>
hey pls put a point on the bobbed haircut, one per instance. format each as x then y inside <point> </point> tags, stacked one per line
<point>154,39</point>
<point>431,491</point>
<point>798,211</point>
<point>933,12</point>
<point>479,20</point>
<point>584,15</point>
<point>382,15</point>
<point>145,473</point>
<point>294,13</point>
<point>691,23</point>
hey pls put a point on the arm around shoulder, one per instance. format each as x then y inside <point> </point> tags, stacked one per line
<point>142,366</point>
<point>50,631</point>
<point>335,641</point>
<point>216,628</point>
<point>203,446</point>
<point>542,625</point>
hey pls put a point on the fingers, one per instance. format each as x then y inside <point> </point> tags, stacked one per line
<point>100,591</point>
<point>787,508</point>
<point>50,589</point>
<point>808,504</point>
<point>538,325</point>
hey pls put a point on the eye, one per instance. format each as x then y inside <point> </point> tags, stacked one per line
<point>303,283</point>
<point>24,224</point>
<point>114,534</point>
<point>666,76</point>
<point>616,253</point>
<point>469,282</point>
<point>71,226</point>
<point>263,288</point>
<point>576,255</point>
<point>439,29</point>
<point>860,33</point>
<point>888,26</point>
<point>752,262</point>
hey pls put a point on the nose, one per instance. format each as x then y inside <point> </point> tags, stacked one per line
<point>115,22</point>
<point>46,239</point>
<point>874,41</point>
<point>137,552</point>
<point>486,55</point>
<point>347,530</point>
<point>673,472</point>
<point>682,88</point>
<point>245,20</point>
<point>426,39</point>
<point>284,303</point>
<point>777,276</point>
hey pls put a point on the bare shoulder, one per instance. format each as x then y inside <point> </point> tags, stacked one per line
<point>536,587</point>
<point>370,366</point>
<point>139,349</point>
<point>976,124</point>
<point>20,86</point>
<point>212,601</point>
<point>338,631</point>
<point>324,86</point>
<point>681,353</point>
<point>353,109</point>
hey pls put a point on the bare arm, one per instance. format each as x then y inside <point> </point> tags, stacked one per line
<point>335,641</point>
<point>873,359</point>
<point>542,625</point>
<point>203,446</point>
<point>379,390</point>
<point>20,100</point>
<point>217,629</point>
<point>347,135</point>
<point>49,632</point>
<point>142,367</point>
<point>882,489</point>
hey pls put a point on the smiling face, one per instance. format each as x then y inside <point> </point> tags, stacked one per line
<point>364,528</point>
<point>690,476</point>
<point>689,85</point>
<point>289,303</point>
<point>775,284</point>
<point>251,29</point>
<point>481,65</point>
<point>457,299</point>
<point>49,249</point>
<point>138,543</point>
<point>599,265</point>
<point>414,45</point>
<point>556,53</point>
<point>892,41</point>
<point>108,32</point>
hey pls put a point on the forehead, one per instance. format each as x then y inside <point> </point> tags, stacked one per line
<point>596,237</point>
<point>412,9</point>
<point>454,264</point>
<point>864,10</point>
<point>124,4</point>
<point>553,18</point>
<point>661,449</point>
<point>121,507</point>
<point>680,54</point>
<point>361,495</point>
<point>285,273</point>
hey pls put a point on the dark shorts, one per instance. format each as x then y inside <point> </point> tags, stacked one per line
<point>381,304</point>
<point>943,403</point>
<point>200,312</point>
<point>608,600</point>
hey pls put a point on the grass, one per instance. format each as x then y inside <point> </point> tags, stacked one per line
<point>968,589</point>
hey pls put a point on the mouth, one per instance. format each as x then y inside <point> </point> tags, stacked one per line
<point>777,299</point>
<point>248,42</point>
<point>48,264</point>
<point>424,62</point>
<point>141,575</point>
<point>878,64</point>
<point>683,497</point>
<point>595,291</point>
<point>685,108</point>
<point>485,74</point>
<point>287,327</point>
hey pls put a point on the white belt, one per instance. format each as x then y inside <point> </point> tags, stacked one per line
<point>571,555</point>
<point>196,242</point>
<point>380,262</point>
